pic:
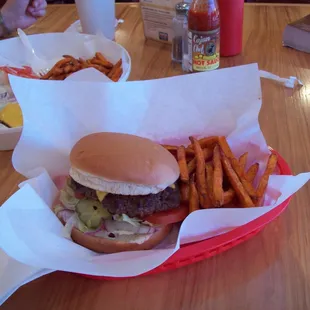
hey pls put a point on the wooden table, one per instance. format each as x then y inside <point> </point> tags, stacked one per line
<point>272,270</point>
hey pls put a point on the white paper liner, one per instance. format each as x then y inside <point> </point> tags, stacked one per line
<point>223,102</point>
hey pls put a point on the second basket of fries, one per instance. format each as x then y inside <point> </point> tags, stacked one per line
<point>62,54</point>
<point>202,129</point>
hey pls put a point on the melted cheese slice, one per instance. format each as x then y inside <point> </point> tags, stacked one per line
<point>101,195</point>
<point>11,115</point>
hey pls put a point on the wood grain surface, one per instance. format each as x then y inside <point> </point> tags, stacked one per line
<point>272,270</point>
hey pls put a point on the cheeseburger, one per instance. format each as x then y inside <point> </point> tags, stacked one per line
<point>121,193</point>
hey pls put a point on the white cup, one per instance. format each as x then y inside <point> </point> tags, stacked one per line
<point>97,16</point>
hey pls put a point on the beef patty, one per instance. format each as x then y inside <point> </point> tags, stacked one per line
<point>134,206</point>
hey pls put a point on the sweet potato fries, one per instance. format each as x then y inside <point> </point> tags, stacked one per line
<point>212,177</point>
<point>68,65</point>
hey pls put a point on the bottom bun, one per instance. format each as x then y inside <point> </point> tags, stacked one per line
<point>102,245</point>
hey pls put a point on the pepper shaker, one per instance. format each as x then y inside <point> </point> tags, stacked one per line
<point>179,25</point>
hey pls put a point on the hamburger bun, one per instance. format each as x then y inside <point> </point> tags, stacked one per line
<point>103,245</point>
<point>122,164</point>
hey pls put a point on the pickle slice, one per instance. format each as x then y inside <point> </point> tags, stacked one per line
<point>91,213</point>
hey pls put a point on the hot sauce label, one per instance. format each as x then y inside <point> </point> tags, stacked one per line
<point>204,50</point>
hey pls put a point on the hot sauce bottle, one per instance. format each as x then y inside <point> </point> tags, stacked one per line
<point>204,35</point>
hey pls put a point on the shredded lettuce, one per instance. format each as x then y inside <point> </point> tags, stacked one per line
<point>67,200</point>
<point>67,197</point>
<point>74,221</point>
<point>68,188</point>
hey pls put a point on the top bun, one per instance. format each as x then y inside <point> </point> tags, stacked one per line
<point>122,164</point>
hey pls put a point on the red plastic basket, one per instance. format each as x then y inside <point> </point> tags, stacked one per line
<point>195,252</point>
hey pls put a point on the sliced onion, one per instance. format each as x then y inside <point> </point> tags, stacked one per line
<point>126,228</point>
<point>100,228</point>
<point>65,215</point>
<point>144,229</point>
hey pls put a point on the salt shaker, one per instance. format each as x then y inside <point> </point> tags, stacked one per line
<point>179,25</point>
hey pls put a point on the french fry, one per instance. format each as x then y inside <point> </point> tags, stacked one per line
<point>61,77</point>
<point>229,196</point>
<point>207,199</point>
<point>209,178</point>
<point>70,64</point>
<point>243,160</point>
<point>74,61</point>
<point>252,172</point>
<point>225,147</point>
<point>236,166</point>
<point>47,75</point>
<point>202,202</point>
<point>82,62</point>
<point>173,150</point>
<point>103,70</point>
<point>263,183</point>
<point>241,174</point>
<point>207,153</point>
<point>115,67</point>
<point>207,202</point>
<point>57,68</point>
<point>117,74</point>
<point>67,68</point>
<point>207,142</point>
<point>98,62</point>
<point>184,175</point>
<point>190,152</point>
<point>184,189</point>
<point>193,196</point>
<point>58,71</point>
<point>99,68</point>
<point>240,191</point>
<point>71,68</point>
<point>191,166</point>
<point>106,63</point>
<point>218,192</point>
<point>200,167</point>
<point>62,62</point>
